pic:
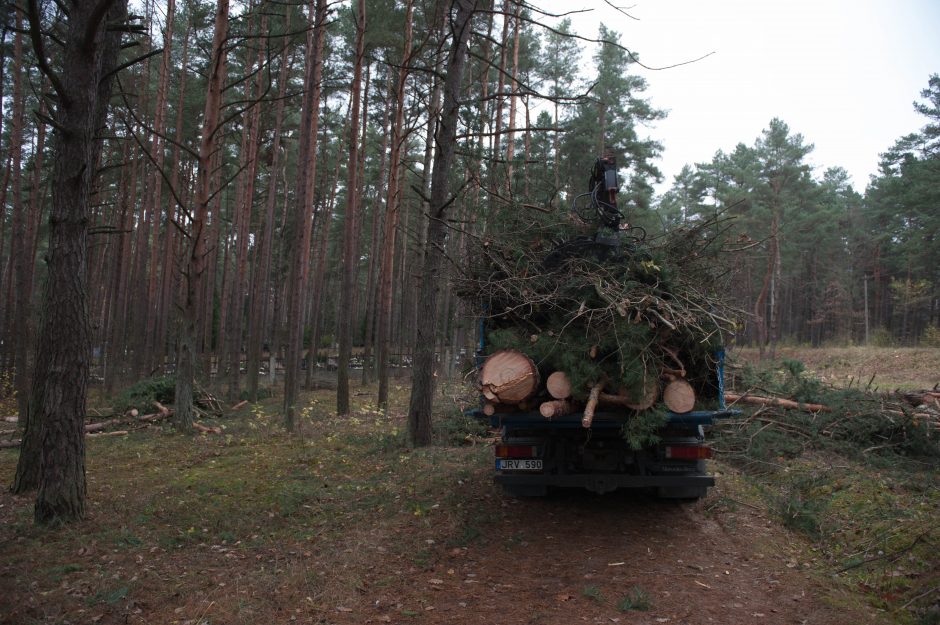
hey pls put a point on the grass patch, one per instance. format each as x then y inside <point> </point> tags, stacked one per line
<point>593,592</point>
<point>109,597</point>
<point>636,599</point>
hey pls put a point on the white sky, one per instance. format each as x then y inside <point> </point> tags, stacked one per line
<point>843,73</point>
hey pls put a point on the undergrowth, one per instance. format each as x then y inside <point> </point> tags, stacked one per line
<point>860,480</point>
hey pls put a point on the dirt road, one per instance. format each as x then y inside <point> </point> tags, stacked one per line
<point>584,558</point>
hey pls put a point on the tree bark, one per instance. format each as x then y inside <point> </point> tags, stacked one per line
<point>372,295</point>
<point>259,294</point>
<point>392,216</point>
<point>196,257</point>
<point>246,195</point>
<point>306,163</point>
<point>350,235</point>
<point>17,314</point>
<point>60,384</point>
<point>422,390</point>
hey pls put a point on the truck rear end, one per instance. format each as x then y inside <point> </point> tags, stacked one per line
<point>534,454</point>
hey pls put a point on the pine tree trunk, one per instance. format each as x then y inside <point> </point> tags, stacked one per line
<point>351,236</point>
<point>196,257</point>
<point>60,384</point>
<point>422,390</point>
<point>117,343</point>
<point>511,131</point>
<point>17,314</point>
<point>169,242</point>
<point>24,324</point>
<point>244,222</point>
<point>306,163</point>
<point>259,292</point>
<point>372,294</point>
<point>392,216</point>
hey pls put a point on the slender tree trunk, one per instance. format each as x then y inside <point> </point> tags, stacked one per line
<point>117,348</point>
<point>392,216</point>
<point>24,310</point>
<point>186,346</point>
<point>17,313</point>
<point>306,163</point>
<point>157,151</point>
<point>511,132</point>
<point>169,241</point>
<point>372,295</point>
<point>259,294</point>
<point>320,274</point>
<point>351,238</point>
<point>503,53</point>
<point>244,223</point>
<point>422,390</point>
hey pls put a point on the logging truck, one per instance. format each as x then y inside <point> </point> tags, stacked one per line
<point>630,416</point>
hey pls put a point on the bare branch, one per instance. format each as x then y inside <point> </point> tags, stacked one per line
<point>35,34</point>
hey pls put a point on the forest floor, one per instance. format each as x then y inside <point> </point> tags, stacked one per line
<point>344,523</point>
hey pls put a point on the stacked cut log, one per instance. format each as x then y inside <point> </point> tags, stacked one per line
<point>509,381</point>
<point>508,377</point>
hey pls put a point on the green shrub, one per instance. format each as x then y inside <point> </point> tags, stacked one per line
<point>931,336</point>
<point>456,428</point>
<point>142,394</point>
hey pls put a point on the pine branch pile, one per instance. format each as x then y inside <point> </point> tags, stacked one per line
<point>622,316</point>
<point>853,422</point>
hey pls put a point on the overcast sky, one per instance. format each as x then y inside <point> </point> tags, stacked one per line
<point>843,73</point>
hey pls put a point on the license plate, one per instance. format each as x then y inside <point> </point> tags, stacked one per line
<point>519,465</point>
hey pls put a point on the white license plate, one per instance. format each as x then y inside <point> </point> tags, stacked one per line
<point>519,465</point>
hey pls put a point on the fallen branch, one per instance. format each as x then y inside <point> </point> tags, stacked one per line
<point>112,433</point>
<point>206,429</point>
<point>97,427</point>
<point>238,405</point>
<point>775,401</point>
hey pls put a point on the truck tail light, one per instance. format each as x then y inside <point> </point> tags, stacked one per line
<point>688,452</point>
<point>516,451</point>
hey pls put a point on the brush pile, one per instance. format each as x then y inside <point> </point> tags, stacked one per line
<point>789,412</point>
<point>615,320</point>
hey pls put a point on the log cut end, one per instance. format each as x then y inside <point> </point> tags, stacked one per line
<point>679,396</point>
<point>509,377</point>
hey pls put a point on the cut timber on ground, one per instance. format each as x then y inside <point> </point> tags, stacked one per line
<point>775,401</point>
